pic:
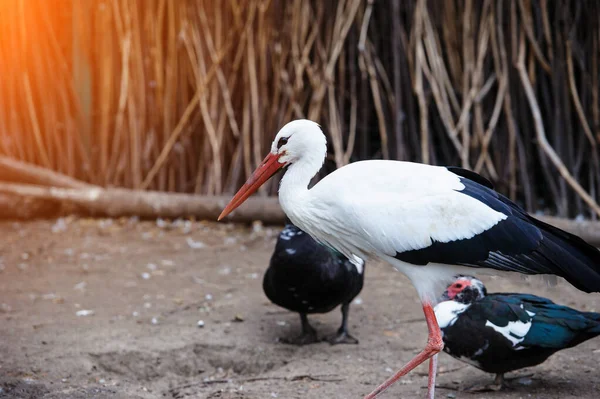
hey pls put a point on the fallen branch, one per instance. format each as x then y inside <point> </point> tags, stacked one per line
<point>118,202</point>
<point>22,172</point>
<point>322,378</point>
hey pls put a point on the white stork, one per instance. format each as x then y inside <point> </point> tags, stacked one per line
<point>430,222</point>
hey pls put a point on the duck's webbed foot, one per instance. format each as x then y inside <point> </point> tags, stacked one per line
<point>308,336</point>
<point>342,336</point>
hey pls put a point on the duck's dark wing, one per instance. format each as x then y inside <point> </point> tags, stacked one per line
<point>552,326</point>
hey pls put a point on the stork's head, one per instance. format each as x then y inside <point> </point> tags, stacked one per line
<point>465,289</point>
<point>300,141</point>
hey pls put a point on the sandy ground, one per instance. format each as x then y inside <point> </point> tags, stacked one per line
<point>110,309</point>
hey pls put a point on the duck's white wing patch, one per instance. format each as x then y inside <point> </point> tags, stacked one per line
<point>447,312</point>
<point>514,331</point>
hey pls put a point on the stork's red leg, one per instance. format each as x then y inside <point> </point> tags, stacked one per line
<point>433,347</point>
<point>431,379</point>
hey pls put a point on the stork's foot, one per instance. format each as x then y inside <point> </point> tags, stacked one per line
<point>341,337</point>
<point>434,345</point>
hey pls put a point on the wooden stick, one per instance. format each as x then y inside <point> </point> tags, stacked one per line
<point>13,170</point>
<point>119,202</point>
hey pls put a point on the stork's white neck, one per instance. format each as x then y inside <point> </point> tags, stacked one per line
<point>294,195</point>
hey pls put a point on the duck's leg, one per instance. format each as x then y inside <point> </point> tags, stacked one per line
<point>308,336</point>
<point>498,384</point>
<point>342,336</point>
<point>499,381</point>
<point>434,345</point>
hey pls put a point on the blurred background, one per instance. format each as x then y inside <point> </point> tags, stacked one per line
<point>186,96</point>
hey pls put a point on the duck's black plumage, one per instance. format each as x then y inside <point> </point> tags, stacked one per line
<point>518,243</point>
<point>307,277</point>
<point>502,332</point>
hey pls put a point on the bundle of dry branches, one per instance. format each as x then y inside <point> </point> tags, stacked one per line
<point>185,96</point>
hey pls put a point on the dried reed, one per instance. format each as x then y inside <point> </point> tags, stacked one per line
<point>185,96</point>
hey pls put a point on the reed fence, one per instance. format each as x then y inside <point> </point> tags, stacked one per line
<point>185,96</point>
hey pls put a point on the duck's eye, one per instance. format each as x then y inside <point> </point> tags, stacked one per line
<point>282,141</point>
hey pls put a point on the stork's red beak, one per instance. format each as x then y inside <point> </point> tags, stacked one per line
<point>269,166</point>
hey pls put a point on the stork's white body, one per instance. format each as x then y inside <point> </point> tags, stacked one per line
<point>378,208</point>
<point>429,222</point>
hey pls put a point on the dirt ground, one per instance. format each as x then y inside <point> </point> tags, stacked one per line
<point>111,309</point>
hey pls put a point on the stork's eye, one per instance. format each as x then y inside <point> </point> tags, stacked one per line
<point>282,141</point>
<point>458,285</point>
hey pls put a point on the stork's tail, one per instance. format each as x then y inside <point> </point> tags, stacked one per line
<point>578,260</point>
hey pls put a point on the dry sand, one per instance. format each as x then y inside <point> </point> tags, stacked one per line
<point>110,309</point>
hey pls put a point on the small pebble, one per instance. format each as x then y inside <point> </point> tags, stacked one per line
<point>5,308</point>
<point>154,321</point>
<point>194,244</point>
<point>358,301</point>
<point>451,395</point>
<point>525,381</point>
<point>147,305</point>
<point>84,312</point>
<point>145,276</point>
<point>104,223</point>
<point>200,323</point>
<point>389,370</point>
<point>59,225</point>
<point>80,286</point>
<point>151,266</point>
<point>102,381</point>
<point>238,318</point>
<point>135,314</point>
<point>281,323</point>
<point>257,226</point>
<point>208,297</point>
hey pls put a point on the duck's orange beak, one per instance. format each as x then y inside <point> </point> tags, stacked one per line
<point>269,166</point>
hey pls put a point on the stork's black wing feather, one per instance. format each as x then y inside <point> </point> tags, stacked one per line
<point>519,243</point>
